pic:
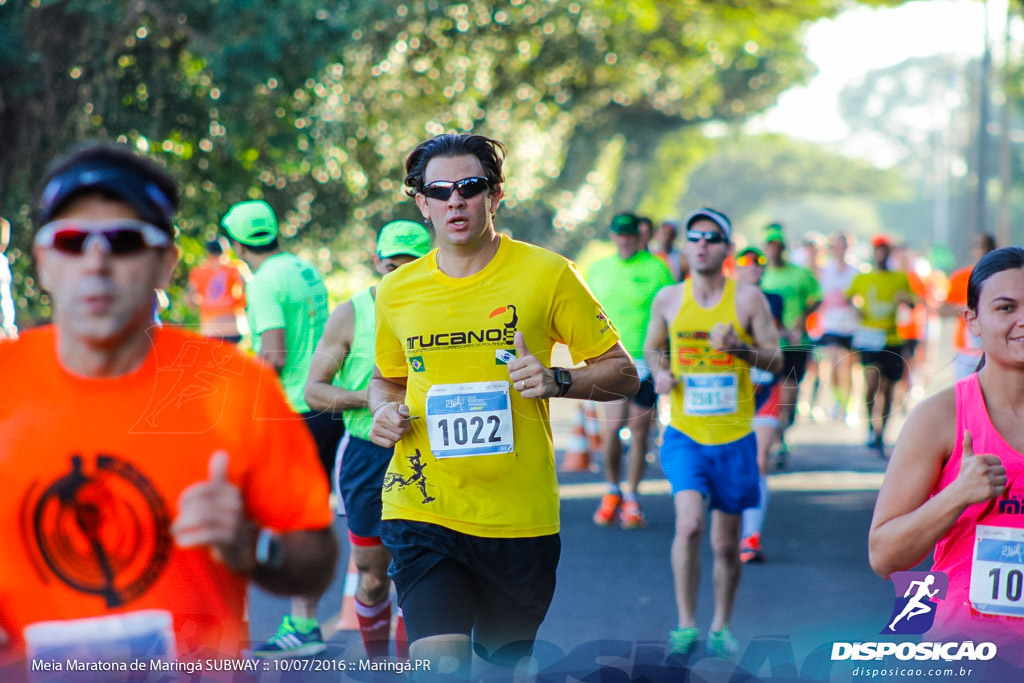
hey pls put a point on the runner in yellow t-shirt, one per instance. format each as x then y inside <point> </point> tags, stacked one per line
<point>464,339</point>
<point>877,295</point>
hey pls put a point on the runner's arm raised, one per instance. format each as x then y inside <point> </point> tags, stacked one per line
<point>765,353</point>
<point>908,521</point>
<point>212,514</point>
<point>309,560</point>
<point>328,358</point>
<point>656,342</point>
<point>608,377</point>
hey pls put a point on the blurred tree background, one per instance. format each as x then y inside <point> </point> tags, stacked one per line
<point>606,105</point>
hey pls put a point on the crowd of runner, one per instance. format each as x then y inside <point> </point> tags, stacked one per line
<point>425,400</point>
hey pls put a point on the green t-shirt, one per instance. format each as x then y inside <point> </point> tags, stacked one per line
<point>798,288</point>
<point>287,292</point>
<point>626,289</point>
<point>876,295</point>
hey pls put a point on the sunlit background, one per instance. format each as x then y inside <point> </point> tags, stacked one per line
<point>823,115</point>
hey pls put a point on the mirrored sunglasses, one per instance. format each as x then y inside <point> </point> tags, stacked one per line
<point>747,260</point>
<point>710,237</point>
<point>120,237</point>
<point>467,187</point>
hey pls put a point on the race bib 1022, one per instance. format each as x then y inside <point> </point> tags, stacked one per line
<point>469,419</point>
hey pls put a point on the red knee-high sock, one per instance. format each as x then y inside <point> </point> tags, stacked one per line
<point>401,639</point>
<point>375,627</point>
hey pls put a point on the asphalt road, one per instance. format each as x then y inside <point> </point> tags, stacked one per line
<point>614,603</point>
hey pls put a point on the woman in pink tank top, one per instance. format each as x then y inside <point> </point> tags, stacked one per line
<point>955,483</point>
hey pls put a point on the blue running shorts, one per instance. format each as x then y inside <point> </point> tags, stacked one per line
<point>725,474</point>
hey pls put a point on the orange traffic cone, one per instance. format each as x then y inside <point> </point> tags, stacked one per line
<point>592,426</point>
<point>348,621</point>
<point>577,455</point>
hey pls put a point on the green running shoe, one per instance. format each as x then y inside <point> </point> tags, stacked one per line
<point>289,641</point>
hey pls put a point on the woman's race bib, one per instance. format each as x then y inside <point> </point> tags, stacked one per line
<point>997,571</point>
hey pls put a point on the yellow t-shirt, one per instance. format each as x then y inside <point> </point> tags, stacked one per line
<point>481,460</point>
<point>713,400</point>
<point>875,294</point>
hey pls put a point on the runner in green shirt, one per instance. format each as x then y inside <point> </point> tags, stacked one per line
<point>801,295</point>
<point>286,310</point>
<point>625,284</point>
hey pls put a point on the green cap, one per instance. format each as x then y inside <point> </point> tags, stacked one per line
<point>773,233</point>
<point>403,237</point>
<point>625,224</point>
<point>251,223</point>
<point>751,250</point>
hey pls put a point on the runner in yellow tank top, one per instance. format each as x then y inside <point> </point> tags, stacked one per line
<point>712,329</point>
<point>713,401</point>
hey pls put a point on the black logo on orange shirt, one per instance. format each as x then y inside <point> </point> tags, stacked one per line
<point>104,532</point>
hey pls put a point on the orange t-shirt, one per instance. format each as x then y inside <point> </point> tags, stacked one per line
<point>958,297</point>
<point>912,321</point>
<point>219,289</point>
<point>92,470</point>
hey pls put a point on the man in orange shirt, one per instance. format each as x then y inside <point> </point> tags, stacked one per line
<point>143,468</point>
<point>217,288</point>
<point>966,347</point>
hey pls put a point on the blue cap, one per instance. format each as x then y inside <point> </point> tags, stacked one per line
<point>148,200</point>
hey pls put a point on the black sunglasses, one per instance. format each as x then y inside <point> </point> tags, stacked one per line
<point>710,237</point>
<point>467,187</point>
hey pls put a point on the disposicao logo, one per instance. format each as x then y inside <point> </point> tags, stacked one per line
<point>916,593</point>
<point>914,613</point>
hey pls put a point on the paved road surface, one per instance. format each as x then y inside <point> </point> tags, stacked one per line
<point>614,604</point>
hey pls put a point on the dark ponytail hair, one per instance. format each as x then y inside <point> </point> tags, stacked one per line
<point>995,261</point>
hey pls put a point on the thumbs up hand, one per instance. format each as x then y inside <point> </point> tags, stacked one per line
<point>211,513</point>
<point>529,376</point>
<point>724,337</point>
<point>982,477</point>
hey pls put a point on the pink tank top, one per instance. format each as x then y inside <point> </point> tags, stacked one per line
<point>954,553</point>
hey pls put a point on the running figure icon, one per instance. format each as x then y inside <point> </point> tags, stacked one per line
<point>915,606</point>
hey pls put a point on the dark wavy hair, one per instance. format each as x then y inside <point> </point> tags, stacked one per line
<point>995,261</point>
<point>491,154</point>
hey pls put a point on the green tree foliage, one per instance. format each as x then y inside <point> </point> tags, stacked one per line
<point>314,106</point>
<point>748,174</point>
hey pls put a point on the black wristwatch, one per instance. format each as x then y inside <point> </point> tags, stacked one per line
<point>563,378</point>
<point>269,550</point>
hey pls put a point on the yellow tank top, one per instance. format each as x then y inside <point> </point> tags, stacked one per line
<point>713,400</point>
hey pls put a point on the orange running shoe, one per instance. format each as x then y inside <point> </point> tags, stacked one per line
<point>605,514</point>
<point>631,517</point>
<point>750,549</point>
